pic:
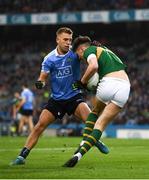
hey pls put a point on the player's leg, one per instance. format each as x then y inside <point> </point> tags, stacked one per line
<point>110,111</point>
<point>110,90</point>
<point>114,91</point>
<point>97,110</point>
<point>45,119</point>
<point>92,118</point>
<point>21,124</point>
<point>98,107</point>
<point>117,96</point>
<point>30,123</point>
<point>83,112</point>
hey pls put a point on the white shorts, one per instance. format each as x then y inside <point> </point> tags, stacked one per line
<point>113,90</point>
<point>18,117</point>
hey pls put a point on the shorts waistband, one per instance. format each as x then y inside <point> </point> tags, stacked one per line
<point>117,79</point>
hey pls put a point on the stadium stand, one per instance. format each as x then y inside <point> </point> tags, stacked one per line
<point>34,6</point>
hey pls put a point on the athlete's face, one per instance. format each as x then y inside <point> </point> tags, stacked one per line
<point>16,95</point>
<point>80,51</point>
<point>64,41</point>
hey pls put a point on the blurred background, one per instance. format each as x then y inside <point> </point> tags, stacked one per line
<point>27,34</point>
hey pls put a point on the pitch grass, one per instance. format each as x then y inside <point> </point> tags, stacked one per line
<point>127,159</point>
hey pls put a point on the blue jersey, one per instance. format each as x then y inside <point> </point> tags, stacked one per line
<point>64,71</point>
<point>29,98</point>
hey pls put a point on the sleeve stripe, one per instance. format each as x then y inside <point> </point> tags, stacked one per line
<point>91,56</point>
<point>99,51</point>
<point>45,71</point>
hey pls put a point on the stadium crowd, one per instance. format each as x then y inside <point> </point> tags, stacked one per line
<point>20,61</point>
<point>36,6</point>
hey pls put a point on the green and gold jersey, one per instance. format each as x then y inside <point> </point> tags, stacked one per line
<point>16,102</point>
<point>107,61</point>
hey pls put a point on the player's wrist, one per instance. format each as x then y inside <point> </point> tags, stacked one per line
<point>39,84</point>
<point>79,85</point>
<point>83,83</point>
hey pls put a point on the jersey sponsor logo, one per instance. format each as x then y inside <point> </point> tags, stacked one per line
<point>64,72</point>
<point>69,59</point>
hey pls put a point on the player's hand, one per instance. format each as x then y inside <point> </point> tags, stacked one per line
<point>39,84</point>
<point>79,85</point>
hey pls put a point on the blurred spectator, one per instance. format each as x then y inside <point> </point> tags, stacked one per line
<point>37,6</point>
<point>16,115</point>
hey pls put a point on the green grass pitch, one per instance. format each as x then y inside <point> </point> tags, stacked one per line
<point>127,159</point>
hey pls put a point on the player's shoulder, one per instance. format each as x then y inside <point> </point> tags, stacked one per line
<point>49,56</point>
<point>90,50</point>
<point>73,54</point>
<point>25,91</point>
<point>52,56</point>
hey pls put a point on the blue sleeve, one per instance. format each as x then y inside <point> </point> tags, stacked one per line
<point>46,65</point>
<point>75,56</point>
<point>23,95</point>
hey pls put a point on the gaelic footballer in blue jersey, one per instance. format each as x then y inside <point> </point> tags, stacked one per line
<point>26,105</point>
<point>64,68</point>
<point>63,73</point>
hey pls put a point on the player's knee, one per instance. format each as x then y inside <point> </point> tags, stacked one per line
<point>39,127</point>
<point>95,111</point>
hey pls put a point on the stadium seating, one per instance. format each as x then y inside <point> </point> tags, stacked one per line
<point>33,6</point>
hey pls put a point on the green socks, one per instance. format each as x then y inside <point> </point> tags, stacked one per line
<point>90,141</point>
<point>89,125</point>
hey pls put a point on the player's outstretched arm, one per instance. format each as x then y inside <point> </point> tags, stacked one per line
<point>40,83</point>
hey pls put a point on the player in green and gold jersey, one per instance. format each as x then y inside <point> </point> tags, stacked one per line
<point>111,94</point>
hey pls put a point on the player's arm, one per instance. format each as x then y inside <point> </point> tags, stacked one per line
<point>40,83</point>
<point>23,100</point>
<point>91,69</point>
<point>14,111</point>
<point>45,69</point>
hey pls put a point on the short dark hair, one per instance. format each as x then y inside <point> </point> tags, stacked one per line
<point>80,40</point>
<point>25,84</point>
<point>64,30</point>
<point>96,43</point>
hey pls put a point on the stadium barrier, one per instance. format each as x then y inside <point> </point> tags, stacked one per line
<point>75,17</point>
<point>128,131</point>
<point>113,131</point>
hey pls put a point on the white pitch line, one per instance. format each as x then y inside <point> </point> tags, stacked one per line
<point>40,149</point>
<point>58,149</point>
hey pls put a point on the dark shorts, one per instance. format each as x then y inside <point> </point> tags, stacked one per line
<point>26,112</point>
<point>59,108</point>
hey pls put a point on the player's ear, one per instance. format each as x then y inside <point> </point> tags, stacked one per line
<point>81,50</point>
<point>57,39</point>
